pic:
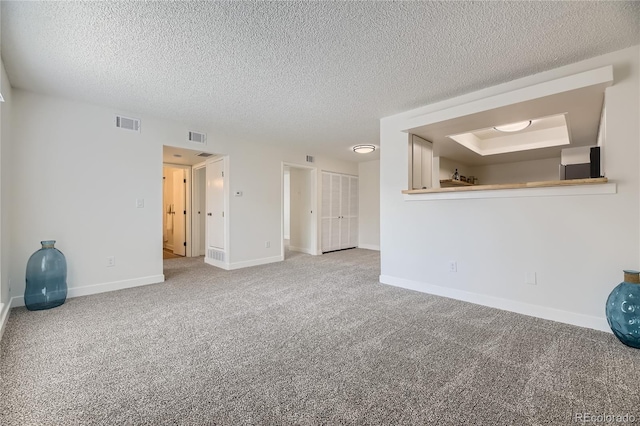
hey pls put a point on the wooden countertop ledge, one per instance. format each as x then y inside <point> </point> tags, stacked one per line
<point>545,184</point>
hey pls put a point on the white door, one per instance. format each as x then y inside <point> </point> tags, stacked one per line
<point>353,211</point>
<point>339,211</point>
<point>344,212</point>
<point>199,212</point>
<point>179,213</point>
<point>215,204</point>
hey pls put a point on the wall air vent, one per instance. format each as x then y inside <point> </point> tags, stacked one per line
<point>197,137</point>
<point>204,154</point>
<point>128,123</point>
<point>309,159</point>
<point>215,254</point>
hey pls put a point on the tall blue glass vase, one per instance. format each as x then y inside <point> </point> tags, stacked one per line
<point>46,278</point>
<point>623,310</point>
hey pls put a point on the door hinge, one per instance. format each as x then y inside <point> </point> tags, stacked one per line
<point>184,244</point>
<point>185,212</point>
<point>222,214</point>
<point>222,174</point>
<point>184,180</point>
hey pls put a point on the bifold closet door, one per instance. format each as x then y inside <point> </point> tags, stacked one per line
<point>339,211</point>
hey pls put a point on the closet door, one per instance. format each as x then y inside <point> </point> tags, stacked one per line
<point>326,212</point>
<point>339,212</point>
<point>335,212</point>
<point>344,212</point>
<point>354,200</point>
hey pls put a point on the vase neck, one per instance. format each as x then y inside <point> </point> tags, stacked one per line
<point>48,243</point>
<point>632,277</point>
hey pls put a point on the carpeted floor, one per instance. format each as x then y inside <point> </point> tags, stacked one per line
<point>312,340</point>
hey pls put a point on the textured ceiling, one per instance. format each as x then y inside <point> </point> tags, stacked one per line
<point>317,74</point>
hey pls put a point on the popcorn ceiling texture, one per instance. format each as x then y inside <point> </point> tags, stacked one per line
<point>310,73</point>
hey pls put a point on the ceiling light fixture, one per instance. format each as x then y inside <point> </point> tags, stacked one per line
<point>177,155</point>
<point>364,149</point>
<point>513,127</point>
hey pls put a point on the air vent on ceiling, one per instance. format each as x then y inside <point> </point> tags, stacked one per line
<point>128,123</point>
<point>204,154</point>
<point>309,159</point>
<point>197,137</point>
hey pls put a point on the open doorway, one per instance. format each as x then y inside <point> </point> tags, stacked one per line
<point>174,209</point>
<point>299,228</point>
<point>183,202</point>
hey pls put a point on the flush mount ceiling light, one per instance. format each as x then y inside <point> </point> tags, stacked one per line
<point>364,149</point>
<point>513,127</point>
<point>177,155</point>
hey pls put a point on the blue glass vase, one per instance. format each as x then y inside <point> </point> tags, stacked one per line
<point>46,278</point>
<point>623,309</point>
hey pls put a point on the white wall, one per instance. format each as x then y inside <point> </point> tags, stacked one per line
<point>301,219</point>
<point>577,245</point>
<point>287,204</point>
<point>521,171</point>
<point>5,188</point>
<point>76,178</point>
<point>369,205</point>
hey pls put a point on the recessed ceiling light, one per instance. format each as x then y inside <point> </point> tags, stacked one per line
<point>177,155</point>
<point>513,127</point>
<point>364,149</point>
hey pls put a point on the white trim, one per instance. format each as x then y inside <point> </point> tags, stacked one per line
<point>5,308</point>
<point>595,189</point>
<point>369,247</point>
<point>255,262</point>
<point>101,288</point>
<point>302,250</point>
<point>581,320</point>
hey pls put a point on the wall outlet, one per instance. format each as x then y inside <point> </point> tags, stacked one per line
<point>530,278</point>
<point>453,266</point>
<point>140,203</point>
<point>111,261</point>
<point>267,244</point>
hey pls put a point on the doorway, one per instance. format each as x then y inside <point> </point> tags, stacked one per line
<point>299,218</point>
<point>183,202</point>
<point>174,208</point>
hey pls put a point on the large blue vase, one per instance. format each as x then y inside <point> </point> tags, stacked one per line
<point>623,309</point>
<point>46,278</point>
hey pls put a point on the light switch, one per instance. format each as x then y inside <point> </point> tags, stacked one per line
<point>140,203</point>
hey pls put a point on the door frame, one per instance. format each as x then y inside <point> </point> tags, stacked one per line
<point>314,205</point>
<point>188,202</point>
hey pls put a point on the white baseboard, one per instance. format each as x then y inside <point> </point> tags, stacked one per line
<point>369,247</point>
<point>581,320</point>
<point>4,316</point>
<point>256,262</point>
<point>100,288</point>
<point>302,250</point>
<point>217,263</point>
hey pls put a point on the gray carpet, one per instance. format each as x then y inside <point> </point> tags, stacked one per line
<point>312,340</point>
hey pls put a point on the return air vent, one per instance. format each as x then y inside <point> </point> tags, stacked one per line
<point>204,154</point>
<point>215,254</point>
<point>128,123</point>
<point>309,159</point>
<point>197,137</point>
